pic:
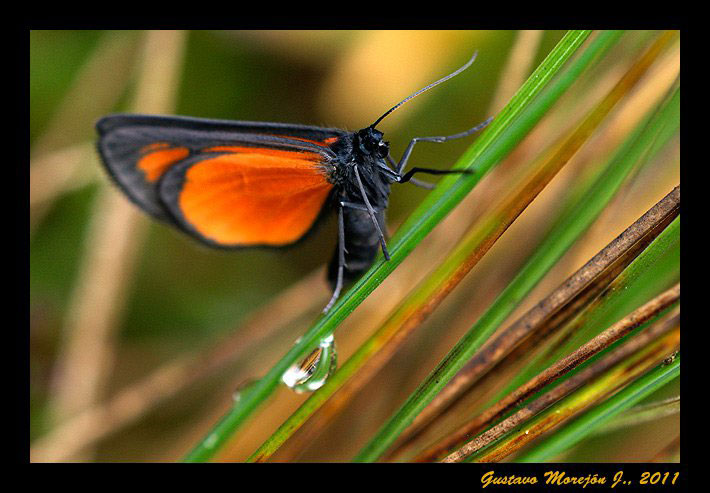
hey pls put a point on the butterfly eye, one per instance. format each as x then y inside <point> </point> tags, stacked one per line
<point>383,148</point>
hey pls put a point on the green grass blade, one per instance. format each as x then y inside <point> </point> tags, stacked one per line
<point>570,225</point>
<point>641,414</point>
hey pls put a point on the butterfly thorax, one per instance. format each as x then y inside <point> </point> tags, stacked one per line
<point>366,150</point>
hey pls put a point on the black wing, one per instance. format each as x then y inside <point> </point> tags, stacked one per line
<point>138,150</point>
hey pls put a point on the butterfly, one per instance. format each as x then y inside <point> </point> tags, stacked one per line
<point>240,184</point>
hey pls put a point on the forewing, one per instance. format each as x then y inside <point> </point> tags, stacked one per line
<point>137,150</point>
<point>229,184</point>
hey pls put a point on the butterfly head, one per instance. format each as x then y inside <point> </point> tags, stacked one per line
<point>368,142</point>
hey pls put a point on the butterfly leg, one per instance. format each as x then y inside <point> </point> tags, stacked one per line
<point>408,151</point>
<point>408,175</point>
<point>341,260</point>
<point>413,181</point>
<point>371,211</point>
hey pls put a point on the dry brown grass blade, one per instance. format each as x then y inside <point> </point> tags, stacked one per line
<point>55,173</point>
<point>111,245</point>
<point>517,67</point>
<point>654,354</point>
<point>552,373</point>
<point>93,92</point>
<point>552,312</point>
<point>57,162</point>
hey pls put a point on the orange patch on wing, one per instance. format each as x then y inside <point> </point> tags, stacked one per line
<point>322,143</point>
<point>256,152</point>
<point>254,197</point>
<point>159,158</point>
<point>154,146</point>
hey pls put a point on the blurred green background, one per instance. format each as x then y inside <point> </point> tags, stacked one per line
<point>175,297</point>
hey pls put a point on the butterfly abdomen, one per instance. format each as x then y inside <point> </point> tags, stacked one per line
<point>361,244</point>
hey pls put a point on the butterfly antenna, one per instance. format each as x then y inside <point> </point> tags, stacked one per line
<point>468,64</point>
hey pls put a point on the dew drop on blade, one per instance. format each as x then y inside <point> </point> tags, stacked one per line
<point>313,371</point>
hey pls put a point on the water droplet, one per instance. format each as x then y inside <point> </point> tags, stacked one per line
<point>313,371</point>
